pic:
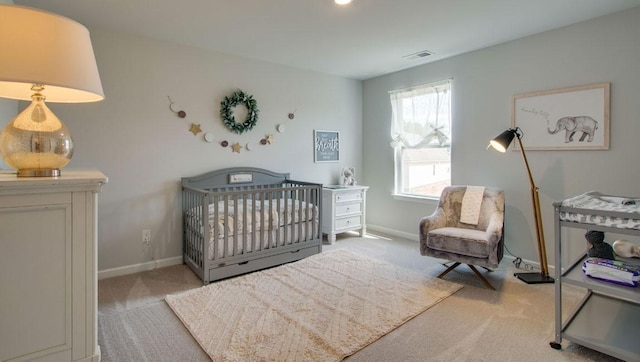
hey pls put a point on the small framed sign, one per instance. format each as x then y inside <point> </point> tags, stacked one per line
<point>240,178</point>
<point>326,146</point>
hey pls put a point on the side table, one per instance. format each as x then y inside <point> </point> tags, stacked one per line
<point>344,209</point>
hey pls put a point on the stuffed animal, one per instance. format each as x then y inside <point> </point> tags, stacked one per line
<point>626,249</point>
<point>597,248</point>
<point>348,176</point>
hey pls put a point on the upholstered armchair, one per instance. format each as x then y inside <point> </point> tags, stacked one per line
<point>467,230</point>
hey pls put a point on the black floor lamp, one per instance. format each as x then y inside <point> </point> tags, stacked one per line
<point>501,143</point>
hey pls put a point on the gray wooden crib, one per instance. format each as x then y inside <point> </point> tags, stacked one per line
<point>242,219</point>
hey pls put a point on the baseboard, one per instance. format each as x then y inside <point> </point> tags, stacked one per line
<point>393,232</point>
<point>416,237</point>
<point>136,268</point>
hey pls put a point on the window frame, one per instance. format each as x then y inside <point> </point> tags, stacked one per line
<point>398,193</point>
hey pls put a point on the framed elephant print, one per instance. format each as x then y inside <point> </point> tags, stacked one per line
<point>575,118</point>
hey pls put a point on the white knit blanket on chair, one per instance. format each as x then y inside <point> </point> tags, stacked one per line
<point>471,202</point>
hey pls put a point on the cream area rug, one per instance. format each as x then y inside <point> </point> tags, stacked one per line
<point>322,308</point>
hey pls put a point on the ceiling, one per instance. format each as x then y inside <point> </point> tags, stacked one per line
<point>362,40</point>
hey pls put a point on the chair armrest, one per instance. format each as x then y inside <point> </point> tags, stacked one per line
<point>495,228</point>
<point>435,221</point>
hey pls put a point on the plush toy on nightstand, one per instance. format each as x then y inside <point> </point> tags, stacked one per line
<point>348,176</point>
<point>597,248</point>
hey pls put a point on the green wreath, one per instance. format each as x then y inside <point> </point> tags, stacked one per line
<point>226,112</point>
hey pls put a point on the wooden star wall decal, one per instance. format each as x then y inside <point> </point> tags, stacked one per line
<point>269,139</point>
<point>236,147</point>
<point>195,129</point>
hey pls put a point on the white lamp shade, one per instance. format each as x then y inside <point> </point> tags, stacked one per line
<point>47,49</point>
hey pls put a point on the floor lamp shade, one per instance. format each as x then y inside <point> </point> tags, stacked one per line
<point>501,143</point>
<point>503,140</point>
<point>49,57</point>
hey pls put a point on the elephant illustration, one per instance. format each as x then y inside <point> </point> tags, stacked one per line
<point>584,124</point>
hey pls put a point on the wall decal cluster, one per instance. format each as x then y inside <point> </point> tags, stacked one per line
<point>227,107</point>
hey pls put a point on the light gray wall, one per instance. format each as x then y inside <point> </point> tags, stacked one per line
<point>144,148</point>
<point>606,49</point>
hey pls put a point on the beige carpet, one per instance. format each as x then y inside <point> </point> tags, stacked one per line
<point>325,307</point>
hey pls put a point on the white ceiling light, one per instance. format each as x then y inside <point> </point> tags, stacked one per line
<point>342,2</point>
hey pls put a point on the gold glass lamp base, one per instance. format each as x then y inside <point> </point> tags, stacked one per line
<point>36,142</point>
<point>39,172</point>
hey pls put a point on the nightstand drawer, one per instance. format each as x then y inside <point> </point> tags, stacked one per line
<point>349,222</point>
<point>347,209</point>
<point>350,196</point>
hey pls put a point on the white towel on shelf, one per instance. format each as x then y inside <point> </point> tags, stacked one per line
<point>471,202</point>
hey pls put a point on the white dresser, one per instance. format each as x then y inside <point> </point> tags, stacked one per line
<point>48,267</point>
<point>343,209</point>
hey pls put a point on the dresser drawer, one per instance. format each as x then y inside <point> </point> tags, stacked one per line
<point>348,196</point>
<point>349,222</point>
<point>347,209</point>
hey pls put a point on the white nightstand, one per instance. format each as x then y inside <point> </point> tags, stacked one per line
<point>343,209</point>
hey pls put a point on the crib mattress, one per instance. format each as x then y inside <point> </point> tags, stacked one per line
<point>260,215</point>
<point>233,219</point>
<point>260,240</point>
<point>268,224</point>
<point>594,200</point>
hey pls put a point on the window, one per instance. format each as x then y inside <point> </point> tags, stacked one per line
<point>421,139</point>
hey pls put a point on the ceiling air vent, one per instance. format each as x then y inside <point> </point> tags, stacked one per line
<point>419,55</point>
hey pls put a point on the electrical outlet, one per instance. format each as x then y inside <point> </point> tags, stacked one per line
<point>146,236</point>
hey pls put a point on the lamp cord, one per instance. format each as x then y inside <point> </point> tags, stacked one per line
<point>518,262</point>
